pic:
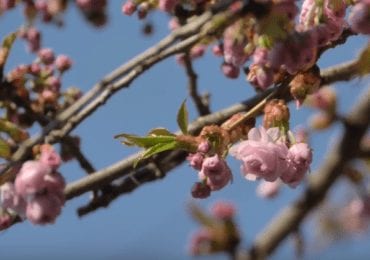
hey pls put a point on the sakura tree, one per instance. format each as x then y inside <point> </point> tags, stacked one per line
<point>273,53</point>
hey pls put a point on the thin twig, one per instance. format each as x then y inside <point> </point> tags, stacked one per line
<point>199,101</point>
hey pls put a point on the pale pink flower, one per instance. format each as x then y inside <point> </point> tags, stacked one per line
<point>10,200</point>
<point>299,159</point>
<point>230,70</point>
<point>44,209</point>
<point>268,190</point>
<point>30,178</point>
<point>262,155</point>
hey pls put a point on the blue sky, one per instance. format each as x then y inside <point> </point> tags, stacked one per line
<point>152,222</point>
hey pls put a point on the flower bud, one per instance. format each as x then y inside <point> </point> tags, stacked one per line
<point>276,114</point>
<point>200,190</point>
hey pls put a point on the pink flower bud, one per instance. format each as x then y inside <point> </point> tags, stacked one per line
<point>200,190</point>
<point>195,160</point>
<point>44,209</point>
<point>230,71</point>
<point>167,5</point>
<point>216,171</point>
<point>50,157</point>
<point>299,159</point>
<point>5,220</point>
<point>204,147</point>
<point>128,8</point>
<point>359,17</point>
<point>46,56</point>
<point>223,210</point>
<point>9,199</point>
<point>217,50</point>
<point>63,63</point>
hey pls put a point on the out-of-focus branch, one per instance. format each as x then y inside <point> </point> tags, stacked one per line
<point>355,127</point>
<point>200,102</point>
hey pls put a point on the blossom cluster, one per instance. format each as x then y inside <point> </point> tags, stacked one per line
<point>213,171</point>
<point>37,192</point>
<point>51,11</point>
<point>265,155</point>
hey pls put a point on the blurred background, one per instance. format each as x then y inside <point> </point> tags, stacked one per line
<point>153,222</point>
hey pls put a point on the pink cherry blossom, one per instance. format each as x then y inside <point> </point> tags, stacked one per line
<point>44,209</point>
<point>10,200</point>
<point>261,156</point>
<point>30,178</point>
<point>299,159</point>
<point>46,55</point>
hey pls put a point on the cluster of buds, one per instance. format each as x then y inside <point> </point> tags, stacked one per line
<point>39,84</point>
<point>213,171</point>
<point>276,114</point>
<point>218,232</point>
<point>49,11</point>
<point>37,192</point>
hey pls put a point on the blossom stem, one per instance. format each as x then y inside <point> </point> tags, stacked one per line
<point>252,112</point>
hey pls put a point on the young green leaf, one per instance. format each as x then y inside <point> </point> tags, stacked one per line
<point>4,149</point>
<point>146,141</point>
<point>160,132</point>
<point>5,48</point>
<point>158,148</point>
<point>182,118</point>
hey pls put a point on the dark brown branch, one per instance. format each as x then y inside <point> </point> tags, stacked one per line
<point>200,102</point>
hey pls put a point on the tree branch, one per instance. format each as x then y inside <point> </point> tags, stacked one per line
<point>124,168</point>
<point>199,101</point>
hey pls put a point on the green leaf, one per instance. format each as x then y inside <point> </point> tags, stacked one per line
<point>9,40</point>
<point>16,133</point>
<point>146,141</point>
<point>160,132</point>
<point>4,149</point>
<point>5,48</point>
<point>158,148</point>
<point>182,118</point>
